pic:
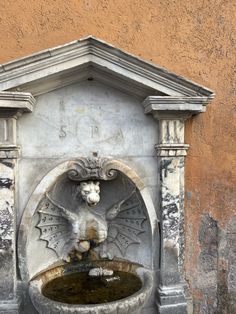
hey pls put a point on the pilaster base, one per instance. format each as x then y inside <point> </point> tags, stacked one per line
<point>9,307</point>
<point>171,300</point>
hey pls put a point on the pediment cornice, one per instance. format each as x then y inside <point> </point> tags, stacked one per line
<point>90,58</point>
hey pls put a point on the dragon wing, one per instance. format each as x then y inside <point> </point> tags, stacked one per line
<point>126,227</point>
<point>56,228</point>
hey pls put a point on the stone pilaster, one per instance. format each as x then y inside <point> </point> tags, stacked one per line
<point>171,113</point>
<point>171,152</point>
<point>12,105</point>
<point>7,231</point>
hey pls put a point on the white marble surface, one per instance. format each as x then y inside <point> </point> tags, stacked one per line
<point>83,118</point>
<point>77,121</point>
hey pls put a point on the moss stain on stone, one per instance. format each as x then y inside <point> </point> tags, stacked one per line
<point>79,288</point>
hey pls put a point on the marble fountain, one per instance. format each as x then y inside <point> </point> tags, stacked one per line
<point>92,157</point>
<point>94,220</point>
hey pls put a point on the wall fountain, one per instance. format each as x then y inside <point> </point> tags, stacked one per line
<point>102,239</point>
<point>91,187</point>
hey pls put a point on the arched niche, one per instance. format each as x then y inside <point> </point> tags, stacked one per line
<point>34,253</point>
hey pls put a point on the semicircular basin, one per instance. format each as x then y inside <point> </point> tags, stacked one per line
<point>130,304</point>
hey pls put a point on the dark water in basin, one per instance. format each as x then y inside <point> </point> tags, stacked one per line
<point>79,288</point>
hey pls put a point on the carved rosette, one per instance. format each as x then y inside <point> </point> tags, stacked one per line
<point>94,168</point>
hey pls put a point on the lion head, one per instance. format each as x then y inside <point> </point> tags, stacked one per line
<point>90,192</point>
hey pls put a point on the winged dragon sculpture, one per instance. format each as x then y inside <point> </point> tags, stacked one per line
<point>85,228</point>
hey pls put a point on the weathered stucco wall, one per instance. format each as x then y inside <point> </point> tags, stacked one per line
<point>196,39</point>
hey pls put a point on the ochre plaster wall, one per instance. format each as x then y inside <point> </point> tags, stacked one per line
<point>196,39</point>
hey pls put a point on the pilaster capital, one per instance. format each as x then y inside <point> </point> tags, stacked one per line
<point>12,106</point>
<point>175,107</point>
<point>9,152</point>
<point>171,113</point>
<point>171,150</point>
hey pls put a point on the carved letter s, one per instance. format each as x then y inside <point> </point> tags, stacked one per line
<point>62,132</point>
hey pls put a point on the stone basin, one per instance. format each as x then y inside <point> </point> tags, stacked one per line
<point>127,305</point>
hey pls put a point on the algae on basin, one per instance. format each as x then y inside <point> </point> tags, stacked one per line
<point>80,288</point>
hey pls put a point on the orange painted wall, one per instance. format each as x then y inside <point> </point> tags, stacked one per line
<point>196,39</point>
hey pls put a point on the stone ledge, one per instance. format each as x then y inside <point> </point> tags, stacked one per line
<point>9,307</point>
<point>13,104</point>
<point>9,152</point>
<point>171,150</point>
<point>171,300</point>
<point>180,308</point>
<point>174,108</point>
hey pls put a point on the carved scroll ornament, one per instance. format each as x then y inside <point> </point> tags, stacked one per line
<point>94,168</point>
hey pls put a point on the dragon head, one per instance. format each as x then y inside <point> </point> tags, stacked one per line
<point>90,191</point>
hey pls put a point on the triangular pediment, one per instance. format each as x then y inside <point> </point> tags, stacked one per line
<point>88,59</point>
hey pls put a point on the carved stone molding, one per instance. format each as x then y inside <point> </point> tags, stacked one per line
<point>174,108</point>
<point>96,59</point>
<point>12,106</point>
<point>171,150</point>
<point>94,168</point>
<point>9,152</point>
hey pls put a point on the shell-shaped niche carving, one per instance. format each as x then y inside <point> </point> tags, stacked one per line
<point>92,211</point>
